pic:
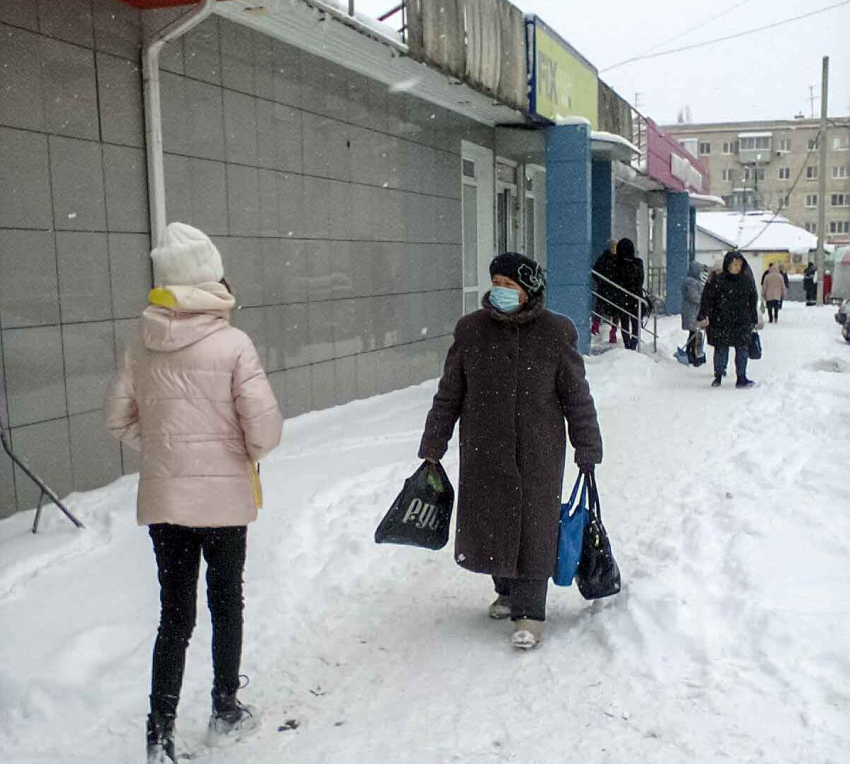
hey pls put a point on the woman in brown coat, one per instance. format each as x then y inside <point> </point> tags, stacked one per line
<point>773,291</point>
<point>512,376</point>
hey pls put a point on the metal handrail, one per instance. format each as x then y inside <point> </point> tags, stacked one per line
<point>646,297</point>
<point>45,489</point>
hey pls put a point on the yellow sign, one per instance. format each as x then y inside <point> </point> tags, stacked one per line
<point>563,84</point>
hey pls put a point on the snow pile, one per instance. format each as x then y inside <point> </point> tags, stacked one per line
<point>728,515</point>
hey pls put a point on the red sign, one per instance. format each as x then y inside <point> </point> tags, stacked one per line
<point>667,161</point>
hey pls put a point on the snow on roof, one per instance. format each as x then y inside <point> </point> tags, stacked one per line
<point>755,135</point>
<point>601,135</point>
<point>757,232</point>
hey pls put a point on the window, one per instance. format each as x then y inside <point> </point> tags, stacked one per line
<point>812,227</point>
<point>840,143</point>
<point>839,226</point>
<point>812,144</point>
<point>729,175</point>
<point>752,172</point>
<point>839,173</point>
<point>840,200</point>
<point>811,173</point>
<point>704,147</point>
<point>784,173</point>
<point>785,145</point>
<point>754,144</point>
<point>728,147</point>
<point>811,200</point>
<point>469,168</point>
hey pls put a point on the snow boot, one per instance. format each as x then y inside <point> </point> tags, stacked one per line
<point>161,739</point>
<point>230,720</point>
<point>718,378</point>
<point>528,634</point>
<point>612,336</point>
<point>500,608</point>
<point>743,383</point>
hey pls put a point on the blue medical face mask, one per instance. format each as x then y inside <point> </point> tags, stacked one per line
<point>504,299</point>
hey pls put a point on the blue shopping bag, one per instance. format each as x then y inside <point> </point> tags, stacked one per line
<point>570,534</point>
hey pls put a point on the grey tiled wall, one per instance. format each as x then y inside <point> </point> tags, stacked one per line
<point>335,204</point>
<point>74,228</point>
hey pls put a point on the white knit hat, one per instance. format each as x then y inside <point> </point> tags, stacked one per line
<point>185,257</point>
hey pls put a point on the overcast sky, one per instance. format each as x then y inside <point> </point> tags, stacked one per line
<point>761,76</point>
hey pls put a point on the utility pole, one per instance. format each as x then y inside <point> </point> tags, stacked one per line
<point>822,177</point>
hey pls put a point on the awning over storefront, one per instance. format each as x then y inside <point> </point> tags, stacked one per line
<point>366,46</point>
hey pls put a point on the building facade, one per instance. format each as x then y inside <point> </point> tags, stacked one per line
<point>357,195</point>
<point>774,165</point>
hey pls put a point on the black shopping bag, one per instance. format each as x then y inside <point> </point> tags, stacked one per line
<point>755,347</point>
<point>598,575</point>
<point>422,512</point>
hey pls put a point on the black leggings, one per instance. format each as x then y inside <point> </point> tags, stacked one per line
<point>178,552</point>
<point>773,307</point>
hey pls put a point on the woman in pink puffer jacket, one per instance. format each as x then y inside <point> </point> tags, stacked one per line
<point>192,396</point>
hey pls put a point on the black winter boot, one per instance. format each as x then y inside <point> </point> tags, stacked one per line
<point>230,720</point>
<point>718,378</point>
<point>744,383</point>
<point>161,739</point>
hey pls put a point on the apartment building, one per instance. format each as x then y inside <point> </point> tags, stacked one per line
<point>774,165</point>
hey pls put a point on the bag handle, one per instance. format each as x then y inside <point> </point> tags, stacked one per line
<point>595,508</point>
<point>580,481</point>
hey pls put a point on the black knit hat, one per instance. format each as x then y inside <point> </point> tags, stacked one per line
<point>526,272</point>
<point>626,248</point>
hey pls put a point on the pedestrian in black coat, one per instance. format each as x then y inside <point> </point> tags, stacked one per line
<point>810,284</point>
<point>630,277</point>
<point>606,300</point>
<point>513,376</point>
<point>729,310</point>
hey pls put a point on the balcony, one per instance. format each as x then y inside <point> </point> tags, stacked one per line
<point>755,148</point>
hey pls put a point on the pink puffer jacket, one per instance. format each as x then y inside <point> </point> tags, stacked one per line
<point>192,396</point>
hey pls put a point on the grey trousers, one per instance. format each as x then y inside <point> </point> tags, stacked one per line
<point>528,596</point>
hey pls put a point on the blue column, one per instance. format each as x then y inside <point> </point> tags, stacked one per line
<point>692,236</point>
<point>678,223</point>
<point>602,212</point>
<point>568,225</point>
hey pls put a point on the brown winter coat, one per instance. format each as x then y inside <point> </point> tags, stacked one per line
<point>192,396</point>
<point>773,286</point>
<point>511,380</point>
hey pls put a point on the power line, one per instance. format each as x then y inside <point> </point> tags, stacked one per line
<point>791,191</point>
<point>728,37</point>
<point>703,23</point>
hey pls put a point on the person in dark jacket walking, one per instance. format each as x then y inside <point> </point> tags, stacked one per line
<point>692,287</point>
<point>630,277</point>
<point>787,283</point>
<point>810,284</point>
<point>512,376</point>
<point>606,266</point>
<point>729,310</point>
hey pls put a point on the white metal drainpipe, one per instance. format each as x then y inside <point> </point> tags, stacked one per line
<point>153,111</point>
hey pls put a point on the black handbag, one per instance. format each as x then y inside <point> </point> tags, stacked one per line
<point>755,347</point>
<point>422,512</point>
<point>598,575</point>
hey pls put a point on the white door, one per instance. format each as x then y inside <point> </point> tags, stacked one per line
<point>509,236</point>
<point>535,213</point>
<point>477,219</point>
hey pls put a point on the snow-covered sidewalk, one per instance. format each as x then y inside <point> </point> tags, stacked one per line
<point>729,513</point>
